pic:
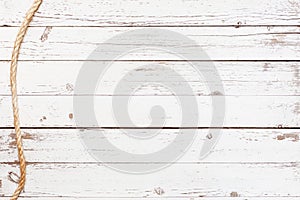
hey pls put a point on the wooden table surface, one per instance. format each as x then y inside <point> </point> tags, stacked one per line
<point>254,45</point>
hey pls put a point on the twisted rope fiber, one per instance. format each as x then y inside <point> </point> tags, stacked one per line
<point>13,81</point>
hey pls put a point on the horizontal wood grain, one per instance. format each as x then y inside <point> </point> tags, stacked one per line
<point>227,43</point>
<point>246,111</point>
<point>238,78</point>
<point>178,180</point>
<point>168,198</point>
<point>254,45</point>
<point>234,146</point>
<point>154,13</point>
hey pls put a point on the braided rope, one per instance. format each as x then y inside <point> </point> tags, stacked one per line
<point>13,81</point>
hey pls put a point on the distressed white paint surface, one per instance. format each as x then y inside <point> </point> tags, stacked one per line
<point>172,198</point>
<point>252,42</point>
<point>161,197</point>
<point>178,180</point>
<point>168,198</point>
<point>261,146</point>
<point>154,12</point>
<point>243,111</point>
<point>227,43</point>
<point>239,78</point>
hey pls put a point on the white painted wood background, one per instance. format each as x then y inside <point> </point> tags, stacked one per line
<point>255,47</point>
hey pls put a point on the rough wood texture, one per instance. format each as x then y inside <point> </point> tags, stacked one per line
<point>227,43</point>
<point>239,78</point>
<point>44,111</point>
<point>65,146</point>
<point>178,180</point>
<point>173,198</point>
<point>155,13</point>
<point>255,47</point>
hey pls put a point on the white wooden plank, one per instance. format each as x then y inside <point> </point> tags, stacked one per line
<point>168,198</point>
<point>234,146</point>
<point>178,180</point>
<point>246,111</point>
<point>153,12</point>
<point>227,43</point>
<point>238,78</point>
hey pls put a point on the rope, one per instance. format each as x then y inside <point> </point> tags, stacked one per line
<point>13,81</point>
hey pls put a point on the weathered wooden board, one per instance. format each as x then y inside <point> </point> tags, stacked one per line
<point>178,180</point>
<point>234,146</point>
<point>255,47</point>
<point>168,198</point>
<point>227,43</point>
<point>245,111</point>
<point>154,12</point>
<point>238,78</point>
